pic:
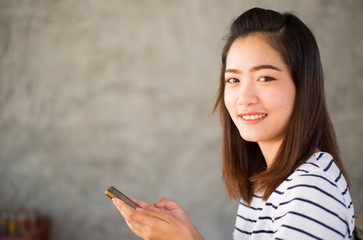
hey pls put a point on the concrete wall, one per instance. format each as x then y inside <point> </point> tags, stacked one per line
<point>98,93</point>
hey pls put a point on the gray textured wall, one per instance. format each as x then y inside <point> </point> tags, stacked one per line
<point>94,93</point>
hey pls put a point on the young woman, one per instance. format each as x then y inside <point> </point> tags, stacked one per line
<point>280,154</point>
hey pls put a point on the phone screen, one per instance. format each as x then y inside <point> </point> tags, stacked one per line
<point>112,192</point>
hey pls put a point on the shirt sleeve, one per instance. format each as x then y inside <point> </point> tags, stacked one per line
<point>313,207</point>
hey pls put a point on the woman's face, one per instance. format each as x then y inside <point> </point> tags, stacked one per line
<point>259,90</point>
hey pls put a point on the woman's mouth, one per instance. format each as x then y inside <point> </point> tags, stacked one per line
<point>249,117</point>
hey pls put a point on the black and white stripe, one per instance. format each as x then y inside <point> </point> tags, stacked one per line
<point>313,203</point>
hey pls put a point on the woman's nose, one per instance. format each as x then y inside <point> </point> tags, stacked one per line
<point>247,95</point>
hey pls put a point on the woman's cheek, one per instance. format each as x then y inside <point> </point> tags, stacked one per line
<point>228,101</point>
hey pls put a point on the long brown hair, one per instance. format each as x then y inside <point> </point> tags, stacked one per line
<point>310,127</point>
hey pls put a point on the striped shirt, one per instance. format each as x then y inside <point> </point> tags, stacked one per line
<point>312,203</point>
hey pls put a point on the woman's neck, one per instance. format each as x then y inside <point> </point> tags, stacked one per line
<point>269,151</point>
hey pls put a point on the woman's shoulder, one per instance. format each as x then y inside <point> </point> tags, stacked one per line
<point>320,169</point>
<point>319,180</point>
<point>316,192</point>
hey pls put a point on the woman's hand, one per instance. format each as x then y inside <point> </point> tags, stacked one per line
<point>163,220</point>
<point>152,224</point>
<point>174,209</point>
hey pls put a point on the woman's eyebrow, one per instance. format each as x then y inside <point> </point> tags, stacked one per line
<point>260,67</point>
<point>232,71</point>
<point>253,69</point>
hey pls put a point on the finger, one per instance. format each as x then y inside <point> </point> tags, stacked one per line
<point>165,217</point>
<point>131,217</point>
<point>167,204</point>
<point>123,207</point>
<point>145,205</point>
<point>117,205</point>
<point>141,219</point>
<point>140,203</point>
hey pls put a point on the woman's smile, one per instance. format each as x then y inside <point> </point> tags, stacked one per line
<point>252,118</point>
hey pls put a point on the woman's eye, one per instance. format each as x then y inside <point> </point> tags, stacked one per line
<point>265,79</point>
<point>232,80</point>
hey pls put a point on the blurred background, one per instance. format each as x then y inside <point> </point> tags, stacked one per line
<point>120,92</point>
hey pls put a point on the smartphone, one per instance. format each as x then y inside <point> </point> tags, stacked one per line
<point>112,192</point>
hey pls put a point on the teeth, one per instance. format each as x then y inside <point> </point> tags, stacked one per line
<point>254,117</point>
